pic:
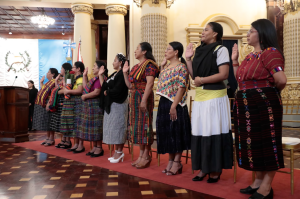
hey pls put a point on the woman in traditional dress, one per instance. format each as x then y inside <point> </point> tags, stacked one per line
<point>212,144</point>
<point>173,125</point>
<point>258,109</point>
<point>91,116</point>
<point>32,96</point>
<point>42,116</point>
<point>115,108</point>
<point>70,115</point>
<point>57,100</point>
<point>141,101</point>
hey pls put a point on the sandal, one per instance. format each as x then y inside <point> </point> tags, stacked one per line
<point>48,144</point>
<point>165,170</point>
<point>43,143</point>
<point>179,171</point>
<point>64,146</point>
<point>60,144</point>
<point>135,163</point>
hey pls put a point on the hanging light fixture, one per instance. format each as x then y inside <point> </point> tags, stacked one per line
<point>63,33</point>
<point>9,32</point>
<point>139,3</point>
<point>42,20</point>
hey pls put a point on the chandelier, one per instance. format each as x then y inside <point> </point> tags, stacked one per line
<point>139,3</point>
<point>42,20</point>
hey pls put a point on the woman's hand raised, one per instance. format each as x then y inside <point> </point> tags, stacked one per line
<point>126,67</point>
<point>189,51</point>
<point>235,53</point>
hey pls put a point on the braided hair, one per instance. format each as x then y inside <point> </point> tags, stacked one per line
<point>121,58</point>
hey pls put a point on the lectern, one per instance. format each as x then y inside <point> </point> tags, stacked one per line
<point>14,107</point>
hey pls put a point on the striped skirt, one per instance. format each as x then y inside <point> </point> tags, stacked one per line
<point>258,127</point>
<point>70,116</point>
<point>140,124</point>
<point>91,121</point>
<point>55,118</point>
<point>41,118</point>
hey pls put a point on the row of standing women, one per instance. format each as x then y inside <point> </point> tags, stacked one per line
<point>257,108</point>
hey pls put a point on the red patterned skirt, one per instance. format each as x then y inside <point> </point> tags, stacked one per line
<point>140,124</point>
<point>258,129</point>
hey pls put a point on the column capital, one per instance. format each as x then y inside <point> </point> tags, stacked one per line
<point>116,9</point>
<point>82,8</point>
<point>94,25</point>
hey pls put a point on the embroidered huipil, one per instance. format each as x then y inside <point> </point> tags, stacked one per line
<point>260,66</point>
<point>170,79</point>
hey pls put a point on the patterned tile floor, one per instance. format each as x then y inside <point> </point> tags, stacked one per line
<point>28,174</point>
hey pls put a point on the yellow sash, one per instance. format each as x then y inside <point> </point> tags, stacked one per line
<point>204,95</point>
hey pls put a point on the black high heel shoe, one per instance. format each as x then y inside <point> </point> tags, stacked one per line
<point>98,155</point>
<point>198,178</point>
<point>179,171</point>
<point>82,150</point>
<point>249,190</point>
<point>213,180</point>
<point>260,196</point>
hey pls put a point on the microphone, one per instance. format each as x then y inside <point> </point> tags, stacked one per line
<point>15,80</point>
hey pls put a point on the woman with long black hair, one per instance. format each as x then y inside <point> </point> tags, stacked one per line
<point>258,109</point>
<point>212,144</point>
<point>32,96</point>
<point>140,81</point>
<point>173,125</point>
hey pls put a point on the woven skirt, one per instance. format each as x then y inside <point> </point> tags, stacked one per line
<point>55,118</point>
<point>41,118</point>
<point>172,136</point>
<point>140,124</point>
<point>70,116</point>
<point>258,127</point>
<point>115,124</point>
<point>91,121</point>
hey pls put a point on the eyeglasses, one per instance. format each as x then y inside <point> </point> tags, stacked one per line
<point>251,31</point>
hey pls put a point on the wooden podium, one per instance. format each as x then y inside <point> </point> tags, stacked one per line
<point>14,107</point>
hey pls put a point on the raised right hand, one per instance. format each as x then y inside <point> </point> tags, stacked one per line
<point>43,78</point>
<point>189,51</point>
<point>164,62</point>
<point>235,53</point>
<point>101,70</point>
<point>57,78</point>
<point>126,67</point>
<point>86,71</point>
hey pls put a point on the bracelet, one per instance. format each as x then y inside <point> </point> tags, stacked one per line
<point>188,59</point>
<point>235,65</point>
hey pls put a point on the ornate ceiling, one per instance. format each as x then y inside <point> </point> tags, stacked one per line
<point>18,19</point>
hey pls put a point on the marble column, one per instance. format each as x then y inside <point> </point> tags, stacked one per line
<point>154,28</point>
<point>82,29</point>
<point>116,33</point>
<point>291,40</point>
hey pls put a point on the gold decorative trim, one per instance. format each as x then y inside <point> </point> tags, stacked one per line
<point>116,9</point>
<point>82,8</point>
<point>291,91</point>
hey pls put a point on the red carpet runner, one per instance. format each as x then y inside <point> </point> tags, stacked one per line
<point>225,188</point>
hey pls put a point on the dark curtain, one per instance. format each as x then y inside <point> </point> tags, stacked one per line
<point>231,79</point>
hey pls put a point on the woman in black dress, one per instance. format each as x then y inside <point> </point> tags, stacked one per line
<point>32,96</point>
